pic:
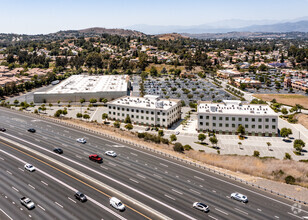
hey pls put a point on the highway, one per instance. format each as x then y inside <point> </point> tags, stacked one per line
<point>167,186</point>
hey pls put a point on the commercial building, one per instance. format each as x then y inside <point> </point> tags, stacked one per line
<point>148,110</point>
<point>226,74</point>
<point>86,87</point>
<point>225,118</point>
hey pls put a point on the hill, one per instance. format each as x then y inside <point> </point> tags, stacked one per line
<point>173,36</point>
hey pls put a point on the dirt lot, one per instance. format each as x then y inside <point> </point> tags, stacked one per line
<point>302,119</point>
<point>287,99</point>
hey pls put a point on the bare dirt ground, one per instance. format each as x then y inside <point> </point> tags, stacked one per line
<point>287,99</point>
<point>302,119</point>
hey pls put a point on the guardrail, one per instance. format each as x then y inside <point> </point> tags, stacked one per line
<point>164,154</point>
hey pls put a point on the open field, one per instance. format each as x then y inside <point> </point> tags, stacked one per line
<point>302,119</point>
<point>287,99</point>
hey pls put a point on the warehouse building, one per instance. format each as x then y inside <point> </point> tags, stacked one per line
<point>148,110</point>
<point>86,87</point>
<point>224,118</point>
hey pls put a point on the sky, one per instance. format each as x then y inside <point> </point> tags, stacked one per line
<point>46,16</point>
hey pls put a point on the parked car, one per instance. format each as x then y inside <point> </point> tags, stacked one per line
<point>58,150</point>
<point>32,130</point>
<point>27,203</point>
<point>147,129</point>
<point>111,153</point>
<point>81,140</point>
<point>2,129</point>
<point>29,167</point>
<point>239,197</point>
<point>201,206</point>
<point>117,204</point>
<point>80,196</point>
<point>177,133</point>
<point>96,158</point>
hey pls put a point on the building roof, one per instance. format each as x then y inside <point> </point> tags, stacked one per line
<point>90,84</point>
<point>150,102</point>
<point>235,107</point>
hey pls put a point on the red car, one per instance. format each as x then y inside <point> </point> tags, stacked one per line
<point>96,158</point>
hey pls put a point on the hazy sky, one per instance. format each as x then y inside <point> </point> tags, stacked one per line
<point>46,16</point>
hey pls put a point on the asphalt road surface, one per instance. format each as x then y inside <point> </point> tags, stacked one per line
<point>150,185</point>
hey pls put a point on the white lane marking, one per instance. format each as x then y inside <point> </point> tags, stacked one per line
<point>13,202</point>
<point>157,176</point>
<point>133,180</point>
<point>97,172</point>
<point>134,154</point>
<point>65,145</point>
<point>44,183</point>
<point>169,197</point>
<point>112,164</point>
<point>228,197</point>
<point>213,191</point>
<point>141,176</point>
<point>48,126</point>
<point>9,172</point>
<point>21,169</point>
<point>177,176</point>
<point>198,178</point>
<point>174,190</point>
<point>45,137</point>
<point>1,158</point>
<point>201,186</point>
<point>79,156</point>
<point>295,215</point>
<point>106,168</point>
<point>15,189</point>
<point>166,171</point>
<point>241,211</point>
<point>221,211</point>
<point>31,186</point>
<point>188,181</point>
<point>6,214</point>
<point>125,163</point>
<point>37,140</point>
<point>20,133</point>
<point>66,131</point>
<point>30,216</point>
<point>59,205</point>
<point>212,217</point>
<point>41,207</point>
<point>195,191</point>
<point>163,164</point>
<point>276,216</point>
<point>71,200</point>
<point>21,209</point>
<point>86,153</point>
<point>259,210</point>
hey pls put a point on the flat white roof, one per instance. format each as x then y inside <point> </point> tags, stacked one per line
<point>145,102</point>
<point>91,84</point>
<point>234,107</point>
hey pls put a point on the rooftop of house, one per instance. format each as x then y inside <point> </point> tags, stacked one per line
<point>148,101</point>
<point>235,107</point>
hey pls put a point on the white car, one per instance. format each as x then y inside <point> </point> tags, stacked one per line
<point>201,206</point>
<point>177,133</point>
<point>117,204</point>
<point>239,197</point>
<point>81,140</point>
<point>27,203</point>
<point>29,167</point>
<point>111,153</point>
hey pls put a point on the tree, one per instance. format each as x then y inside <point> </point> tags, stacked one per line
<point>298,145</point>
<point>241,129</point>
<point>285,132</point>
<point>82,101</point>
<point>79,115</point>
<point>287,156</point>
<point>284,111</point>
<point>256,153</point>
<point>58,113</point>
<point>187,147</point>
<point>117,124</point>
<point>94,59</point>
<point>129,126</point>
<point>161,133</point>
<point>127,120</point>
<point>59,103</point>
<point>86,116</point>
<point>50,105</point>
<point>16,102</point>
<point>201,137</point>
<point>239,145</point>
<point>290,180</point>
<point>92,100</point>
<point>178,147</point>
<point>173,137</point>
<point>105,116</point>
<point>214,140</point>
<point>153,71</point>
<point>268,145</point>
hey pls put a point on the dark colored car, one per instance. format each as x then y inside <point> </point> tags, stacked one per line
<point>2,129</point>
<point>58,150</point>
<point>147,129</point>
<point>32,130</point>
<point>80,196</point>
<point>96,158</point>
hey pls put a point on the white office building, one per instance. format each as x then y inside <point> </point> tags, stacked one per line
<point>224,118</point>
<point>86,87</point>
<point>148,110</point>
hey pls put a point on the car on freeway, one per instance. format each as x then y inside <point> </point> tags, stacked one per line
<point>111,153</point>
<point>201,206</point>
<point>117,204</point>
<point>27,203</point>
<point>58,150</point>
<point>239,197</point>
<point>29,167</point>
<point>96,158</point>
<point>2,129</point>
<point>81,140</point>
<point>80,196</point>
<point>32,130</point>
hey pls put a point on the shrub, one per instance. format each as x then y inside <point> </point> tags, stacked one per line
<point>86,116</point>
<point>290,180</point>
<point>141,135</point>
<point>129,126</point>
<point>117,124</point>
<point>218,151</point>
<point>201,151</point>
<point>187,147</point>
<point>164,140</point>
<point>79,115</point>
<point>35,111</point>
<point>287,156</point>
<point>178,147</point>
<point>256,153</point>
<point>173,137</point>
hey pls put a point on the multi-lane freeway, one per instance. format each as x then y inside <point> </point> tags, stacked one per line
<point>150,185</point>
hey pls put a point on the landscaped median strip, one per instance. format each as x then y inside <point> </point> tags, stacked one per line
<point>134,201</point>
